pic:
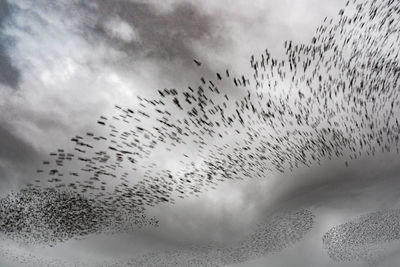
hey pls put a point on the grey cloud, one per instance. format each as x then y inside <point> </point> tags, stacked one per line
<point>9,74</point>
<point>166,35</point>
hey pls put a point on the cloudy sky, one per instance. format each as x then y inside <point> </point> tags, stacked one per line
<point>65,63</point>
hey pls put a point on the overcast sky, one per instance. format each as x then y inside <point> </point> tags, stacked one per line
<point>64,63</point>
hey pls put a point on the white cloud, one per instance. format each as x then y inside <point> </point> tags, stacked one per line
<point>122,30</point>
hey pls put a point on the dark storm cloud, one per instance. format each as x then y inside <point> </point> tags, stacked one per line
<point>9,74</point>
<point>166,35</point>
<point>370,179</point>
<point>17,158</point>
<point>13,148</point>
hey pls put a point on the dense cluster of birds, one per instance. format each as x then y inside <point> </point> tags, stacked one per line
<point>333,97</point>
<point>360,239</point>
<point>27,259</point>
<point>271,236</point>
<point>276,233</point>
<point>50,216</point>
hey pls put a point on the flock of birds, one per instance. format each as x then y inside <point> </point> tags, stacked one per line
<point>279,231</point>
<point>49,216</point>
<point>355,240</point>
<point>336,97</point>
<point>275,234</point>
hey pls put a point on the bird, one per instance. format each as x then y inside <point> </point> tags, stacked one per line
<point>326,99</point>
<point>198,63</point>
